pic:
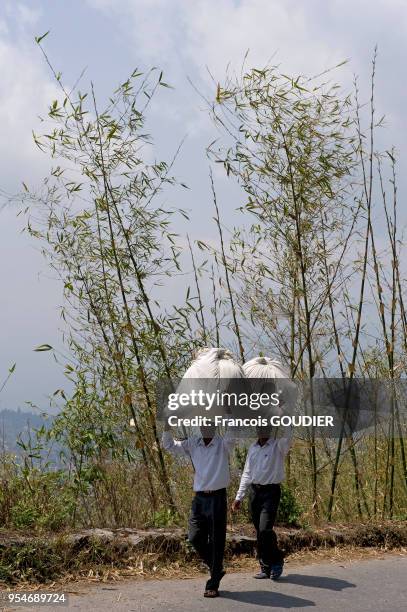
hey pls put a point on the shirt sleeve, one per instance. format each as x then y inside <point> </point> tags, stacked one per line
<point>246,478</point>
<point>229,439</point>
<point>284,443</point>
<point>175,447</point>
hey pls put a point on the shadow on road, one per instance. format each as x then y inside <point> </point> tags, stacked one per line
<point>317,582</point>
<point>267,598</point>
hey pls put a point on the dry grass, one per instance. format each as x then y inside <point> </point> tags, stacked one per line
<point>164,554</point>
<point>150,568</point>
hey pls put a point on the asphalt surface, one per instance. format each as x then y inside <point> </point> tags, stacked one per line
<point>379,585</point>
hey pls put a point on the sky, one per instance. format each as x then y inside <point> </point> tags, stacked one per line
<point>187,39</point>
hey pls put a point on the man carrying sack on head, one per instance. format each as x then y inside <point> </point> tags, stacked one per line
<point>209,454</point>
<point>262,475</point>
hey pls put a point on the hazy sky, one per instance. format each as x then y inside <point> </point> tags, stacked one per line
<point>184,38</point>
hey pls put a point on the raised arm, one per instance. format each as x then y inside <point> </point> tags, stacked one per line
<point>284,442</point>
<point>245,481</point>
<point>229,439</point>
<point>175,447</point>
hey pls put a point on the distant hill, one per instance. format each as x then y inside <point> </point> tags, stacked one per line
<point>14,423</point>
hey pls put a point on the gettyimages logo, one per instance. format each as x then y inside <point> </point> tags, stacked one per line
<point>323,407</point>
<point>208,400</point>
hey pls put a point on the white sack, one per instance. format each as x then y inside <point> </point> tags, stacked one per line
<point>212,370</point>
<point>265,367</point>
<point>214,363</point>
<point>261,368</point>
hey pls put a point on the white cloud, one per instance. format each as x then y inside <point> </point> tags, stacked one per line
<point>184,37</point>
<point>25,92</point>
<point>26,15</point>
<point>187,38</point>
<point>204,33</point>
<point>27,307</point>
<point>222,32</point>
<point>306,35</point>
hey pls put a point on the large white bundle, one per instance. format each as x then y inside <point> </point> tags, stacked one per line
<point>213,369</point>
<point>265,367</point>
<point>214,363</point>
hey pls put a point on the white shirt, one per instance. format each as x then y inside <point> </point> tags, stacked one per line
<point>211,462</point>
<point>264,464</point>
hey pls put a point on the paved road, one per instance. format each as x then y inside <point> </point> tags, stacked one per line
<point>360,586</point>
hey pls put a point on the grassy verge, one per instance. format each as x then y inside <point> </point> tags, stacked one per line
<point>99,554</point>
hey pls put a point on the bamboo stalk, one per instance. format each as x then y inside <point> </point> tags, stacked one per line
<point>198,290</point>
<point>137,354</point>
<point>225,267</point>
<point>368,186</point>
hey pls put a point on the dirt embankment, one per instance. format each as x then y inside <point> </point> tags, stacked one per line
<point>46,558</point>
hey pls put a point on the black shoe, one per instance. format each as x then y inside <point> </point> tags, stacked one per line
<point>211,593</point>
<point>261,575</point>
<point>276,570</point>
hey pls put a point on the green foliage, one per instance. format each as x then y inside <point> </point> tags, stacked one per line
<point>23,514</point>
<point>164,518</point>
<point>240,454</point>
<point>43,559</point>
<point>289,510</point>
<point>103,218</point>
<point>34,499</point>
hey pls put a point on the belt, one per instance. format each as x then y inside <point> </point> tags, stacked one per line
<point>266,486</point>
<point>210,492</point>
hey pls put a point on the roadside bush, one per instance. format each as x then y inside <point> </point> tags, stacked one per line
<point>31,499</point>
<point>289,511</point>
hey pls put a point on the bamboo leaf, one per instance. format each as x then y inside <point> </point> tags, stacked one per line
<point>38,39</point>
<point>43,347</point>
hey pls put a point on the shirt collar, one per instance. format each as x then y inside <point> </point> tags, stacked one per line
<point>202,443</point>
<point>266,444</point>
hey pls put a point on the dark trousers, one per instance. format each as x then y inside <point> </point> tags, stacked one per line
<point>207,531</point>
<point>263,506</point>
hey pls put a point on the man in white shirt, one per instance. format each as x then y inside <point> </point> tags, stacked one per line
<point>262,475</point>
<point>209,454</point>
